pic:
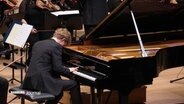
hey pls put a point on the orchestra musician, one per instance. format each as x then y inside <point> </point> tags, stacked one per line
<point>10,9</point>
<point>35,15</point>
<point>22,6</point>
<point>95,11</point>
<point>6,8</point>
<point>70,22</point>
<point>45,69</point>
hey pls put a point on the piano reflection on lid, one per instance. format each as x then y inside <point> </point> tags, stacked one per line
<point>110,57</point>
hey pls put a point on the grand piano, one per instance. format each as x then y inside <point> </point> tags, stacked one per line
<point>111,56</point>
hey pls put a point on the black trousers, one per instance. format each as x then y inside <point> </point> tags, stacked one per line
<point>73,87</point>
<point>3,90</point>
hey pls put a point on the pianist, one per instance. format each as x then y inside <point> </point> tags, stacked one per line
<point>46,68</point>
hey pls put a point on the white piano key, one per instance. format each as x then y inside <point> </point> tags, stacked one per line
<point>85,76</point>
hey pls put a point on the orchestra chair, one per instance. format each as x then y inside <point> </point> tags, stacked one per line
<point>30,95</point>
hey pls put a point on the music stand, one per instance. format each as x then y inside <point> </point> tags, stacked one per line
<point>17,35</point>
<point>71,19</point>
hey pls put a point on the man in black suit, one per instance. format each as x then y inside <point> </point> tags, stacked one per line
<point>45,69</point>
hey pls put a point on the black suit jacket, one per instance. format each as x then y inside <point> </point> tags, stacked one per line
<point>45,68</point>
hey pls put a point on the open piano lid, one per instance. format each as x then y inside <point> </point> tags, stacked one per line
<point>150,15</point>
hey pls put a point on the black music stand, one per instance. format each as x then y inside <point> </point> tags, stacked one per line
<point>17,35</point>
<point>15,65</point>
<point>177,79</point>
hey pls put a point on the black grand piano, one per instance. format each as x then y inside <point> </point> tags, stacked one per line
<point>111,55</point>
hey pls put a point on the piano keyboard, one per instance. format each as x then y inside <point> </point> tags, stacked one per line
<point>86,73</point>
<point>85,76</point>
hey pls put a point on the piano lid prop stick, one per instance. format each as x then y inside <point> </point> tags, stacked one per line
<point>144,54</point>
<point>85,76</point>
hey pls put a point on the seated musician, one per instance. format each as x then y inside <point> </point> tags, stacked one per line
<point>45,69</point>
<point>6,6</point>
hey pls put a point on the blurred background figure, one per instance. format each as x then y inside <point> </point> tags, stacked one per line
<point>3,90</point>
<point>94,11</point>
<point>7,8</point>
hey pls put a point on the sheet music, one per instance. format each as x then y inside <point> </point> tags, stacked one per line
<point>19,34</point>
<point>66,12</point>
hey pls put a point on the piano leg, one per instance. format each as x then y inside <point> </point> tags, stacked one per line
<point>123,95</point>
<point>96,98</point>
<point>99,96</point>
<point>92,96</point>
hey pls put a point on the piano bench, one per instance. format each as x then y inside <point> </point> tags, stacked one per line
<point>32,96</point>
